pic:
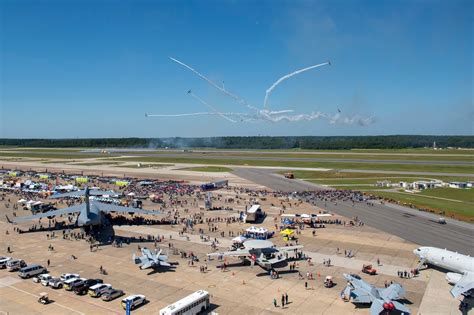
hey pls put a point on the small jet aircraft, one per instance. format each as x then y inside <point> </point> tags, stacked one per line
<point>148,259</point>
<point>91,212</point>
<point>462,265</point>
<point>261,252</point>
<point>383,299</point>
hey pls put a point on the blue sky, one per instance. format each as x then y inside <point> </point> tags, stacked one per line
<point>93,68</point>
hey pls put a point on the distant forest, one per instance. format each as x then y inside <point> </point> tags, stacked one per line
<point>307,142</point>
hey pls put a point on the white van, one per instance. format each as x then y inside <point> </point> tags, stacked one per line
<point>15,264</point>
<point>3,261</point>
<point>31,270</point>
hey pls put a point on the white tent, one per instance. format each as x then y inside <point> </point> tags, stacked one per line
<point>239,239</point>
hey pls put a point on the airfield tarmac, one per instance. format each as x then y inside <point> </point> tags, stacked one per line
<point>241,290</point>
<point>229,293</point>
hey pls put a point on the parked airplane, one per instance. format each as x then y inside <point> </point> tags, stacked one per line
<point>148,259</point>
<point>91,212</point>
<point>382,299</point>
<point>462,265</point>
<point>262,253</point>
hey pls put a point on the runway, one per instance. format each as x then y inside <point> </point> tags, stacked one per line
<point>207,155</point>
<point>410,224</point>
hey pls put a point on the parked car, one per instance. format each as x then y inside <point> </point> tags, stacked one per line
<point>135,300</point>
<point>70,284</point>
<point>38,278</point>
<point>55,283</point>
<point>98,289</point>
<point>3,261</point>
<point>67,276</point>
<point>15,264</point>
<point>368,269</point>
<point>45,279</point>
<point>82,289</point>
<point>111,294</point>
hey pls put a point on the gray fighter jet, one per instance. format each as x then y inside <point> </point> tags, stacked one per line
<point>383,299</point>
<point>148,259</point>
<point>91,212</point>
<point>261,252</point>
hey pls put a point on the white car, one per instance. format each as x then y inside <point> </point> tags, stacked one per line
<point>40,278</point>
<point>99,288</point>
<point>55,283</point>
<point>3,261</point>
<point>67,276</point>
<point>135,300</point>
<point>45,279</point>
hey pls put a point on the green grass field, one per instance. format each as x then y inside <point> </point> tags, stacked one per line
<point>145,165</point>
<point>461,203</point>
<point>208,169</point>
<point>460,169</point>
<point>98,163</point>
<point>460,210</point>
<point>50,155</point>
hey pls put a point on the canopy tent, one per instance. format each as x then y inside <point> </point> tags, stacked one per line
<point>287,232</point>
<point>239,239</point>
<point>257,233</point>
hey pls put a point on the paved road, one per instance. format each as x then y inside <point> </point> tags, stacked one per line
<point>412,225</point>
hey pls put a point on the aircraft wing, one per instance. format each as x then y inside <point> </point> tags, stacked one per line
<point>165,263</point>
<point>394,292</point>
<point>114,208</point>
<point>289,248</point>
<point>377,307</point>
<point>233,253</point>
<point>360,296</point>
<point>68,210</point>
<point>146,264</point>
<point>464,284</point>
<point>77,193</point>
<point>401,307</point>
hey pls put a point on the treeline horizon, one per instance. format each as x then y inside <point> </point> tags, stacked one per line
<point>255,142</point>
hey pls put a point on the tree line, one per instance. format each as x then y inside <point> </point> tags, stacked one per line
<point>302,142</point>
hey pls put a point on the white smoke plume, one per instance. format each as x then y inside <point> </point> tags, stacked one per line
<point>262,115</point>
<point>234,96</point>
<point>287,76</point>
<point>212,108</point>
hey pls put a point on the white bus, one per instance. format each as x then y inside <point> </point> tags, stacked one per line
<point>196,303</point>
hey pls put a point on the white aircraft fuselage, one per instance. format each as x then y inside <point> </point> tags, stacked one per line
<point>462,267</point>
<point>446,259</point>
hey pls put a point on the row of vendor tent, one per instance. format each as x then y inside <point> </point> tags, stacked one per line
<point>259,233</point>
<point>291,219</point>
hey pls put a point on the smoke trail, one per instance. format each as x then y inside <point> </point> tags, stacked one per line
<point>211,107</point>
<point>235,97</point>
<point>361,121</point>
<point>283,78</point>
<point>180,115</point>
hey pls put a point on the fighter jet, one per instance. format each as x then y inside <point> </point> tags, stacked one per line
<point>148,259</point>
<point>261,252</point>
<point>383,299</point>
<point>462,266</point>
<point>91,212</point>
